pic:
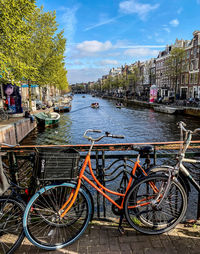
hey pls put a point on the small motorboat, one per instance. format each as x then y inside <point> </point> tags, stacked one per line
<point>119,105</point>
<point>47,119</point>
<point>95,105</point>
<point>63,107</point>
<point>168,110</point>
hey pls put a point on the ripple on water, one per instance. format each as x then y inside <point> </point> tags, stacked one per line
<point>136,124</point>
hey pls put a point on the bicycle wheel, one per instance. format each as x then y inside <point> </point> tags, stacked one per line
<point>3,115</point>
<point>43,225</point>
<point>11,228</point>
<point>142,209</point>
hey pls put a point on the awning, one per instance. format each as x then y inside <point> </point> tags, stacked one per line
<point>26,85</point>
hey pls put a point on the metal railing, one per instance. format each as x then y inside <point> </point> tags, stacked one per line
<point>108,161</point>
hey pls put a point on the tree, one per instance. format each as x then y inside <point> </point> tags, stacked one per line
<point>43,54</point>
<point>14,33</point>
<point>174,67</point>
<point>107,85</point>
<point>133,78</point>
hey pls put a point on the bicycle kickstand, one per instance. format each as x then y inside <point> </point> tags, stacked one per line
<point>120,228</point>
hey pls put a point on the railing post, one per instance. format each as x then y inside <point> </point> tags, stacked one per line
<point>198,205</point>
<point>97,175</point>
<point>154,155</point>
<point>103,178</point>
<point>12,166</point>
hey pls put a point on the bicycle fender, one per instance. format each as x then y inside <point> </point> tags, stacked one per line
<point>181,177</point>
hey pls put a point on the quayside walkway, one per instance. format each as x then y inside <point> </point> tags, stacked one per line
<point>103,238</point>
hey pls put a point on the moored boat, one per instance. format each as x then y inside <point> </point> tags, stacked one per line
<point>95,105</point>
<point>65,107</point>
<point>168,110</point>
<point>47,119</point>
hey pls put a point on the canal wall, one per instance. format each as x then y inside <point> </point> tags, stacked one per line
<point>13,133</point>
<point>186,110</point>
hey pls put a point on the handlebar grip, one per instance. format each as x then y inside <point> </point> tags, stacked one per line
<point>5,144</point>
<point>98,131</point>
<point>118,136</point>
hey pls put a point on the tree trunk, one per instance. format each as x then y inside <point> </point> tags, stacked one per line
<point>40,91</point>
<point>29,95</point>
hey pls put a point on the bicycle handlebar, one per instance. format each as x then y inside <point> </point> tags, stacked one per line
<point>5,144</point>
<point>116,136</point>
<point>182,126</point>
<point>107,134</point>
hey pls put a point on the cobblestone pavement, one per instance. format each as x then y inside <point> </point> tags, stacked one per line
<point>104,238</point>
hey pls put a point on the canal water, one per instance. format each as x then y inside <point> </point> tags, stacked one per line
<point>137,124</point>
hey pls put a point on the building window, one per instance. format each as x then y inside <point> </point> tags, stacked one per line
<point>186,78</point>
<point>183,79</point>
<point>195,51</point>
<point>191,66</point>
<point>191,78</point>
<point>195,78</point>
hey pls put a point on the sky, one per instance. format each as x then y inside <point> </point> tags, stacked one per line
<point>105,34</point>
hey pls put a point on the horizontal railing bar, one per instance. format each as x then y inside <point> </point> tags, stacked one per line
<point>173,145</point>
<point>116,156</point>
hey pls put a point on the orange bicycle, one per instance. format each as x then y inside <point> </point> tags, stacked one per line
<point>57,215</point>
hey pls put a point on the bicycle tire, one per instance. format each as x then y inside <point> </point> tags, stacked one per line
<point>11,227</point>
<point>148,219</point>
<point>42,213</point>
<point>3,116</point>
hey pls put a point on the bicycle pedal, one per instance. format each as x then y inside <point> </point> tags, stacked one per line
<point>121,230</point>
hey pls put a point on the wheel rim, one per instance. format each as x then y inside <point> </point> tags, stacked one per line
<point>151,218</point>
<point>46,228</point>
<point>11,228</point>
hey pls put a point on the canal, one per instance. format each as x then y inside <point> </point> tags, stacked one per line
<point>135,123</point>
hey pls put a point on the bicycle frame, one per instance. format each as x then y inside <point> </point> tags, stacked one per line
<point>187,174</point>
<point>181,156</point>
<point>99,187</point>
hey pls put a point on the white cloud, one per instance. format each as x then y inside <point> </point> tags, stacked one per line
<point>68,18</point>
<point>174,22</point>
<point>141,52</point>
<point>101,23</point>
<point>75,63</point>
<point>133,6</point>
<point>141,46</point>
<point>92,47</point>
<point>108,62</point>
<point>167,29</point>
<point>160,40</point>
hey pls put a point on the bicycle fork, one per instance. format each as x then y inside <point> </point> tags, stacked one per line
<point>157,202</point>
<point>70,201</point>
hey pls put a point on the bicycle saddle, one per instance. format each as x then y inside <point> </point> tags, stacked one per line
<point>143,149</point>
